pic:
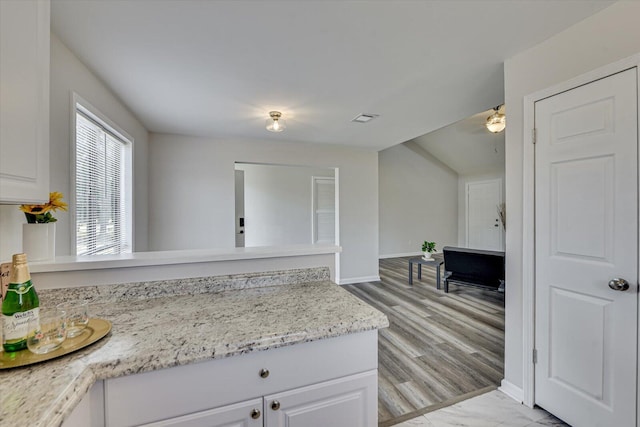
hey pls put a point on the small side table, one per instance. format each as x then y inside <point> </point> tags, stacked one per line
<point>436,261</point>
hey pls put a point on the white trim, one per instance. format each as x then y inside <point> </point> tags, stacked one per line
<point>362,279</point>
<point>511,390</point>
<point>385,256</point>
<point>528,217</point>
<point>528,256</point>
<point>638,265</point>
<point>336,175</point>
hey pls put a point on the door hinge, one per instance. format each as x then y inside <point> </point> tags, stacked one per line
<point>535,356</point>
<point>533,135</point>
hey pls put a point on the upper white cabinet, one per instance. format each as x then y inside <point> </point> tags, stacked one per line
<point>24,101</point>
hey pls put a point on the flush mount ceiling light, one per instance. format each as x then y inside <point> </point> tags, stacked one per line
<point>364,118</point>
<point>276,123</point>
<point>497,121</point>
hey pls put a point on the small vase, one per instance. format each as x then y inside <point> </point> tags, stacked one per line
<point>39,241</point>
<point>427,255</point>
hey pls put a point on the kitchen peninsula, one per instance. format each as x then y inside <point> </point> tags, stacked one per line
<point>265,347</point>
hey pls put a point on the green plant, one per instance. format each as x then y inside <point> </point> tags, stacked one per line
<point>428,246</point>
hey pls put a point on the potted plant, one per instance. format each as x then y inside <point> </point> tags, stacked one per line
<point>428,248</point>
<point>39,233</point>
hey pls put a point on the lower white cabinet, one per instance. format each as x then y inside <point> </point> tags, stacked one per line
<point>345,402</point>
<point>244,414</point>
<point>90,411</point>
<point>330,382</point>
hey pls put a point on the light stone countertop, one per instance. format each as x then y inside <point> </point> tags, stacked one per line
<point>163,324</point>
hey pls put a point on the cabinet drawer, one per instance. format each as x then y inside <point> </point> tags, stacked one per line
<point>167,393</point>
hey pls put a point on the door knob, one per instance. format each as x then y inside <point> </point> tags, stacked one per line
<point>264,373</point>
<point>618,284</point>
<point>255,414</point>
<point>275,405</point>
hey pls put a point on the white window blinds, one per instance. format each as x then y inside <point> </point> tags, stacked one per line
<point>100,198</point>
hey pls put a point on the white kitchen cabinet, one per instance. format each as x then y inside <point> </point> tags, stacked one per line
<point>24,101</point>
<point>90,411</point>
<point>345,402</point>
<point>330,379</point>
<point>244,414</point>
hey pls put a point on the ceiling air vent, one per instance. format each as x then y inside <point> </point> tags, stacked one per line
<point>365,118</point>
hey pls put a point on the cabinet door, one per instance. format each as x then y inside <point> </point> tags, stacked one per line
<point>24,101</point>
<point>345,402</point>
<point>244,414</point>
<point>90,411</point>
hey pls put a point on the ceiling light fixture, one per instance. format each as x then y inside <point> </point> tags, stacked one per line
<point>497,121</point>
<point>365,118</point>
<point>276,123</point>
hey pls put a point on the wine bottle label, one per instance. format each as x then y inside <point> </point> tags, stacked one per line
<point>22,289</point>
<point>16,326</point>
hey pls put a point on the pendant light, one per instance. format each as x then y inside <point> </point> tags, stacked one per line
<point>276,123</point>
<point>497,121</point>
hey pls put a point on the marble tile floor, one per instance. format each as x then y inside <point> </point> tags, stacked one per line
<point>487,410</point>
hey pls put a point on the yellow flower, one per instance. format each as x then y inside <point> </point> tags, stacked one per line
<point>55,201</point>
<point>41,214</point>
<point>35,209</point>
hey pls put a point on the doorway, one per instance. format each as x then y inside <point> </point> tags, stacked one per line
<point>323,197</point>
<point>586,251</point>
<point>483,227</point>
<point>280,205</point>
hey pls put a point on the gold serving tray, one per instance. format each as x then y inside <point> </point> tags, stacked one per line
<point>95,330</point>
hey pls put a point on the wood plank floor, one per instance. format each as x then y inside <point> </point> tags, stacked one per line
<point>439,348</point>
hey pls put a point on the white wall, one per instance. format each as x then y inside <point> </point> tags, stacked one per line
<point>191,193</point>
<point>277,204</point>
<point>463,180</point>
<point>606,37</point>
<point>69,75</point>
<point>418,201</point>
<point>172,270</point>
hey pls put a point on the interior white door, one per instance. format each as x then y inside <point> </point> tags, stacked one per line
<point>484,230</point>
<point>586,193</point>
<point>324,209</point>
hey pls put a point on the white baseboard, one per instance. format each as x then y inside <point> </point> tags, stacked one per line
<point>512,391</point>
<point>399,255</point>
<point>352,280</point>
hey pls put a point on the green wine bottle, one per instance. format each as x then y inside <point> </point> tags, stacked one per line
<point>20,304</point>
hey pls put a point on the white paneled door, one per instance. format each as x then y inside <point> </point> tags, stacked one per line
<point>324,210</point>
<point>586,195</point>
<point>484,229</point>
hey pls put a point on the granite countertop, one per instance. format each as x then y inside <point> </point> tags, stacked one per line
<point>163,324</point>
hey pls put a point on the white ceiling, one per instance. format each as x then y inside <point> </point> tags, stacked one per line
<point>467,146</point>
<point>216,68</point>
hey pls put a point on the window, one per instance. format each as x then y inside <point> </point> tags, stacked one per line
<point>102,187</point>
